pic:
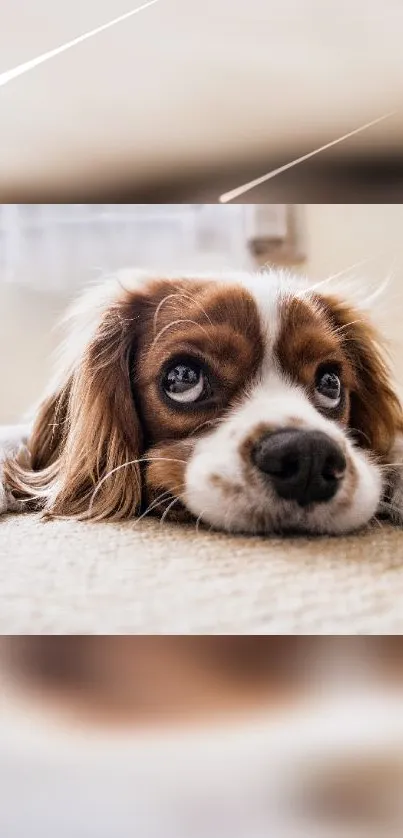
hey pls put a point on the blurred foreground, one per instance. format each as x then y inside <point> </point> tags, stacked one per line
<point>177,737</point>
<point>186,100</point>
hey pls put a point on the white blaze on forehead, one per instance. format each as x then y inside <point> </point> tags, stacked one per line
<point>267,297</point>
<point>274,398</point>
<point>269,290</point>
<point>277,401</point>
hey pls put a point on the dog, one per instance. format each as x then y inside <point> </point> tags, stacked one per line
<point>252,403</point>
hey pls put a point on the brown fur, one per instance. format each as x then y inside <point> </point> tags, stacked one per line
<point>226,486</point>
<point>306,341</point>
<point>107,442</point>
<point>87,431</point>
<point>326,330</point>
<point>375,415</point>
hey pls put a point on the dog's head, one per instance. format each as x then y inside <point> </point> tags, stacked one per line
<point>251,403</point>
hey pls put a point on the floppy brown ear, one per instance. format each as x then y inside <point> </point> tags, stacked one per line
<point>87,438</point>
<point>375,411</point>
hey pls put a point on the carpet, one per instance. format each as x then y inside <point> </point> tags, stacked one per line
<point>65,577</point>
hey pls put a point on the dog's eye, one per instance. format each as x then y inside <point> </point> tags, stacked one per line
<point>328,387</point>
<point>184,383</point>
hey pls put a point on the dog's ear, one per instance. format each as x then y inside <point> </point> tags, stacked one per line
<point>376,417</point>
<point>375,411</point>
<point>87,438</point>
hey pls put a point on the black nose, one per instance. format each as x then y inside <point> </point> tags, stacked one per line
<point>305,466</point>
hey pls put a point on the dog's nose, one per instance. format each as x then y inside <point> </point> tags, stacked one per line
<point>305,466</point>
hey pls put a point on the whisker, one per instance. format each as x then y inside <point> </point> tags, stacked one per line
<point>308,290</point>
<point>176,323</point>
<point>390,509</point>
<point>126,465</point>
<point>176,500</point>
<point>390,505</point>
<point>182,296</point>
<point>331,278</point>
<point>197,524</point>
<point>158,500</point>
<point>378,291</point>
<point>361,433</point>
<point>391,465</point>
<point>371,298</point>
<point>345,326</point>
<point>153,505</point>
<point>350,268</point>
<point>207,422</point>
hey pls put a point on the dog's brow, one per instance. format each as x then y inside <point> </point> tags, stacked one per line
<point>176,323</point>
<point>183,296</point>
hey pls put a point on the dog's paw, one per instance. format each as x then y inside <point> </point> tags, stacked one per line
<point>395,510</point>
<point>8,503</point>
<point>12,442</point>
<point>3,497</point>
<point>392,504</point>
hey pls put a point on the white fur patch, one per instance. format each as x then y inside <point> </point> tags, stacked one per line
<point>274,400</point>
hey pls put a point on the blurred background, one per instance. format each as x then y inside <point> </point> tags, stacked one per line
<point>185,100</point>
<point>180,737</point>
<point>49,252</point>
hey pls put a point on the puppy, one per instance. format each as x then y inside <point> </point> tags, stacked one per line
<point>251,403</point>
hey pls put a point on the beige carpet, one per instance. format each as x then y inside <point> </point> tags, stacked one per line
<point>64,577</point>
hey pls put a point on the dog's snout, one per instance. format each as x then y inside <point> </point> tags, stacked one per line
<point>305,466</point>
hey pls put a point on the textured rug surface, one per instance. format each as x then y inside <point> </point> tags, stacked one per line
<point>67,577</point>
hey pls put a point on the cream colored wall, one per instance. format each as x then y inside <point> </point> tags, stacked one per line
<point>342,235</point>
<point>27,340</point>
